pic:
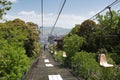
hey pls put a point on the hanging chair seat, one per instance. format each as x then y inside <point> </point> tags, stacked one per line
<point>103,61</point>
<point>64,54</point>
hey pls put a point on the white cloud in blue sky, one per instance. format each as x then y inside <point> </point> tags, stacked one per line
<point>28,13</point>
<point>74,12</point>
<point>12,0</point>
<point>92,13</point>
<point>65,20</point>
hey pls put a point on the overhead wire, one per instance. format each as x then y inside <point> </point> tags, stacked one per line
<point>58,16</point>
<point>111,15</point>
<point>57,12</point>
<point>108,7</point>
<point>59,7</point>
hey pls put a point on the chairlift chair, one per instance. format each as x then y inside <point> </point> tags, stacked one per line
<point>103,61</point>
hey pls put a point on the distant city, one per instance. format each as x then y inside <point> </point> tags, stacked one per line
<point>58,32</point>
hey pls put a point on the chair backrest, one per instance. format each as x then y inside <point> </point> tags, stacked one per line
<point>64,54</point>
<point>103,59</point>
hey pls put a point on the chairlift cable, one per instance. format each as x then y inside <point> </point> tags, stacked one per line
<point>112,4</point>
<point>58,16</point>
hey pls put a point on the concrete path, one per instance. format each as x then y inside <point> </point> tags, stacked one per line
<point>46,68</point>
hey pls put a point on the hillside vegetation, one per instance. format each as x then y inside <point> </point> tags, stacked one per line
<point>19,41</point>
<point>84,44</point>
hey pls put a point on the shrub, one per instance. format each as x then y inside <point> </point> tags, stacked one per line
<point>116,58</point>
<point>107,73</point>
<point>85,65</point>
<point>72,44</point>
<point>59,57</point>
<point>13,62</point>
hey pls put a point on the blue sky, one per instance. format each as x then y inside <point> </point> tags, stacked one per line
<point>74,12</point>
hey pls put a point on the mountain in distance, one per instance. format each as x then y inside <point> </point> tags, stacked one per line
<point>57,31</point>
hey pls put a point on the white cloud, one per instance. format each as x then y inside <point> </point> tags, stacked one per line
<point>65,20</point>
<point>24,13</point>
<point>92,13</point>
<point>69,20</point>
<point>9,17</point>
<point>12,0</point>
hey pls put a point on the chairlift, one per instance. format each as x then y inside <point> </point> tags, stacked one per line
<point>51,39</point>
<point>103,61</point>
<point>64,54</point>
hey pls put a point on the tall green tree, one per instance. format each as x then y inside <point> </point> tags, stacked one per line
<point>75,30</point>
<point>86,30</point>
<point>13,59</point>
<point>86,27</point>
<point>71,45</point>
<point>18,42</point>
<point>109,28</point>
<point>32,45</point>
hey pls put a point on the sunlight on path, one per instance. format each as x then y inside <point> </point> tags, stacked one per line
<point>55,77</point>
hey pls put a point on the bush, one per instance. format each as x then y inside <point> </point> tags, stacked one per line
<point>116,58</point>
<point>111,72</point>
<point>13,62</point>
<point>59,57</point>
<point>107,73</point>
<point>85,65</point>
<point>72,44</point>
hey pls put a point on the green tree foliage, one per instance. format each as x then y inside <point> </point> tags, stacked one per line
<point>13,62</point>
<point>110,31</point>
<point>86,28</point>
<point>15,37</point>
<point>59,57</point>
<point>72,44</point>
<point>31,45</point>
<point>5,5</point>
<point>75,30</point>
<point>12,33</point>
<point>19,23</point>
<point>84,65</point>
<point>105,34</point>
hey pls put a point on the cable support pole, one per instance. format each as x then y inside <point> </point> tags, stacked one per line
<point>58,16</point>
<point>111,15</point>
<point>42,16</point>
<point>112,4</point>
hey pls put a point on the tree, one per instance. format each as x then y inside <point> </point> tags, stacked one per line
<point>109,28</point>
<point>5,5</point>
<point>75,30</point>
<point>71,45</point>
<point>19,23</point>
<point>86,28</point>
<point>16,39</point>
<point>32,44</point>
<point>33,30</point>
<point>13,60</point>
